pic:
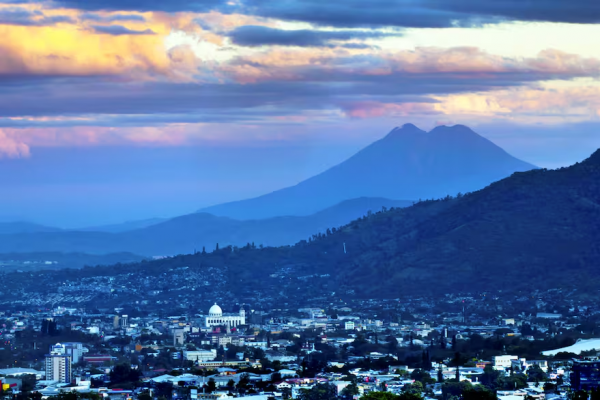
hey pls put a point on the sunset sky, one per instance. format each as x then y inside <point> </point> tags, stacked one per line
<point>114,110</point>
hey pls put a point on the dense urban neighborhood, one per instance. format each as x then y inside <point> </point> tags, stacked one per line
<point>540,347</point>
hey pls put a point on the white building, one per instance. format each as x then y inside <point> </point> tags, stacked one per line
<point>58,368</point>
<point>217,318</point>
<point>349,325</point>
<point>200,355</point>
<point>71,349</point>
<point>504,361</point>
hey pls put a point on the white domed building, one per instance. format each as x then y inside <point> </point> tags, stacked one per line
<point>217,318</point>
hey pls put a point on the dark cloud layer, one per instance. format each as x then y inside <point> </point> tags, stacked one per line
<point>145,5</point>
<point>251,35</point>
<point>571,11</point>
<point>119,30</point>
<point>112,18</point>
<point>374,13</point>
<point>23,17</point>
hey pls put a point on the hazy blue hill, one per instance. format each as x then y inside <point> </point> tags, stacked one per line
<point>24,227</point>
<point>191,232</point>
<point>125,226</point>
<point>408,163</point>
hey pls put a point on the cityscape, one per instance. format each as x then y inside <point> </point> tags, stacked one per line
<point>299,200</point>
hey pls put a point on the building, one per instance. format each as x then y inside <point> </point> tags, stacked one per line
<point>200,355</point>
<point>217,318</point>
<point>72,349</point>
<point>349,325</point>
<point>178,337</point>
<point>97,359</point>
<point>585,374</point>
<point>58,368</point>
<point>504,361</point>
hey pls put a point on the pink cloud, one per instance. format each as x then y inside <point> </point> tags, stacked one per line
<point>12,147</point>
<point>372,109</point>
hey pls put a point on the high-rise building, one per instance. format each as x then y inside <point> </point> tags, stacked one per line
<point>116,322</point>
<point>71,349</point>
<point>58,368</point>
<point>123,321</point>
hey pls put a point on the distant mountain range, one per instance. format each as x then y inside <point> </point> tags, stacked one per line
<point>191,232</point>
<point>406,164</point>
<point>535,230</point>
<point>7,228</point>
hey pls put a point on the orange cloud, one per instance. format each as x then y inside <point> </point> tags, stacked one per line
<point>83,47</point>
<point>582,102</point>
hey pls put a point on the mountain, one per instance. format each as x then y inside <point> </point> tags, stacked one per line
<point>124,226</point>
<point>186,233</point>
<point>532,231</point>
<point>24,227</point>
<point>408,163</point>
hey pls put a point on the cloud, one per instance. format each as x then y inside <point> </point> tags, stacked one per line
<point>372,109</point>
<point>118,30</point>
<point>11,146</point>
<point>20,16</point>
<point>252,35</point>
<point>357,13</point>
<point>375,13</point>
<point>280,83</point>
<point>145,5</point>
<point>112,18</point>
<point>424,13</point>
<point>575,11</point>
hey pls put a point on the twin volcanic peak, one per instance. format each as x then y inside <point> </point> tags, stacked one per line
<point>407,164</point>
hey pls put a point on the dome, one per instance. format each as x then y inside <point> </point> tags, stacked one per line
<point>215,311</point>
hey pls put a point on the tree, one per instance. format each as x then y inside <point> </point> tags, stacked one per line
<point>416,388</point>
<point>440,374</point>
<point>211,385</point>
<point>321,391</point>
<point>123,373</point>
<point>349,391</point>
<point>243,383</point>
<point>410,396</point>
<point>536,374</point>
<point>380,396</point>
<point>457,362</point>
<point>144,396</point>
<point>231,385</point>
<point>478,394</point>
<point>490,377</point>
<point>422,376</point>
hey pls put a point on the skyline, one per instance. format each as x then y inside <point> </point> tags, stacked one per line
<point>127,109</point>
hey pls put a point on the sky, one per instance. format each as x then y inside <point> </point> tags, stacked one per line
<point>115,110</point>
